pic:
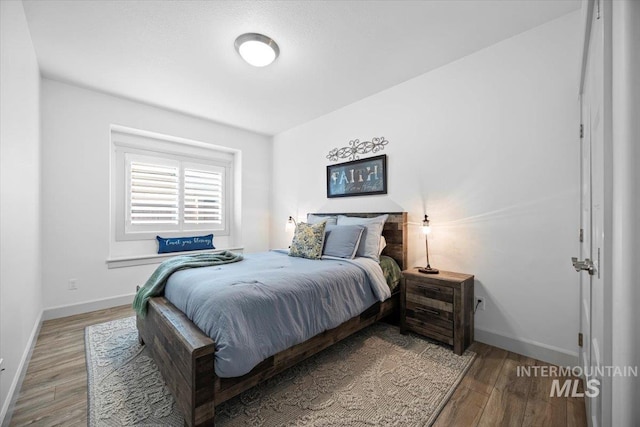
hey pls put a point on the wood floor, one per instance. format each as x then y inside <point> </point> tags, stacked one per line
<point>54,391</point>
<point>492,394</point>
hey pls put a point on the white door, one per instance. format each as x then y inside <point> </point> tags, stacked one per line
<point>585,246</point>
<point>592,219</point>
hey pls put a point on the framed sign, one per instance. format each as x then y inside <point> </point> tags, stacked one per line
<point>358,178</point>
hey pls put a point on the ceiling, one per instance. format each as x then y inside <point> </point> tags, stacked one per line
<point>180,54</point>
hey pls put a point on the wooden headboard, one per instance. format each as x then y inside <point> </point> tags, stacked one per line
<point>394,231</point>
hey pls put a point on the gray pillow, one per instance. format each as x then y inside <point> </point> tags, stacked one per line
<point>370,240</point>
<point>315,219</point>
<point>342,241</point>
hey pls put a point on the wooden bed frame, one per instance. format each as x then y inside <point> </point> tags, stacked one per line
<point>185,355</point>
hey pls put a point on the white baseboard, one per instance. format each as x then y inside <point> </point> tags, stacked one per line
<point>16,385</point>
<point>86,307</point>
<point>543,352</point>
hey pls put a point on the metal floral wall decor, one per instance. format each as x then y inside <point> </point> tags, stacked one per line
<point>356,147</point>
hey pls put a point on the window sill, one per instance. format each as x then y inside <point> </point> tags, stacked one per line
<point>131,261</point>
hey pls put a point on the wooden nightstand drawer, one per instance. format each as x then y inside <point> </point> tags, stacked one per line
<point>434,304</point>
<point>430,330</point>
<point>435,292</point>
<point>427,314</point>
<point>438,306</point>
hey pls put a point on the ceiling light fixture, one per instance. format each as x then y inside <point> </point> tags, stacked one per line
<point>257,49</point>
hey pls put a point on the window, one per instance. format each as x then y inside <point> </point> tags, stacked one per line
<point>168,188</point>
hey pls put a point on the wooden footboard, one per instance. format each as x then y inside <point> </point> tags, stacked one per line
<point>185,356</point>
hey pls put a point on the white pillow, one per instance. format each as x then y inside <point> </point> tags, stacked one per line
<point>370,240</point>
<point>315,219</point>
<point>383,244</point>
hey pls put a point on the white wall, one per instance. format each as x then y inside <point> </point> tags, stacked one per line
<point>488,147</point>
<point>76,178</point>
<point>20,290</point>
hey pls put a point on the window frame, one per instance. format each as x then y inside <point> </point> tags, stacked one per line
<point>130,143</point>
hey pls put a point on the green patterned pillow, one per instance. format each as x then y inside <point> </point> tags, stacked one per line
<point>308,241</point>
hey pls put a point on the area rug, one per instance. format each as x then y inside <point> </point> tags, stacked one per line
<point>376,377</point>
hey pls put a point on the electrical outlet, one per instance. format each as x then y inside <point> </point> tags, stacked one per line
<point>73,284</point>
<point>479,304</point>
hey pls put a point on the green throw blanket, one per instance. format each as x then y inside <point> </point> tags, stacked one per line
<point>155,283</point>
<point>391,270</point>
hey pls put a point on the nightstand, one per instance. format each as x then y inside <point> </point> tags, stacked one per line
<point>438,306</point>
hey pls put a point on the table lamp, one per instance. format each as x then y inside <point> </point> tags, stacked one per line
<point>426,229</point>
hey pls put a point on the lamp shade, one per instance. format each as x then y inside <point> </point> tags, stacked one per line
<point>291,224</point>
<point>426,228</point>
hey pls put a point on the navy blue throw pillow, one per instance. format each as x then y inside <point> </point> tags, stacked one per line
<point>180,244</point>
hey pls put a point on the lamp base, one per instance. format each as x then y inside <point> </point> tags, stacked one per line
<point>429,270</point>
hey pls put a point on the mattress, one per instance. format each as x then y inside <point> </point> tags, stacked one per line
<point>270,301</point>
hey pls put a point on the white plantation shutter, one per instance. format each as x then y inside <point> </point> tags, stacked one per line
<point>166,187</point>
<point>203,195</point>
<point>154,194</point>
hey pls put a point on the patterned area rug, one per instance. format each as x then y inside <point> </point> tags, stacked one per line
<point>376,377</point>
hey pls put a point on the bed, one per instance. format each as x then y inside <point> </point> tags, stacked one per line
<point>186,356</point>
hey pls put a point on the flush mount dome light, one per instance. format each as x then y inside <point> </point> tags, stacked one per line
<point>257,49</point>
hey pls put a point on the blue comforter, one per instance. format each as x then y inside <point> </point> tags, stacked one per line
<point>270,301</point>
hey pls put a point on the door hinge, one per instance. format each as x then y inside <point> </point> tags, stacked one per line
<point>581,131</point>
<point>581,235</point>
<point>579,339</point>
